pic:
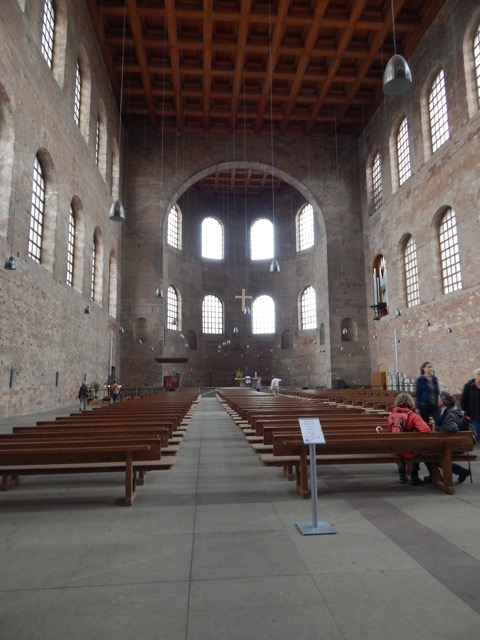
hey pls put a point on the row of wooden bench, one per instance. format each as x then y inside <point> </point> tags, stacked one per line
<point>273,430</point>
<point>133,438</point>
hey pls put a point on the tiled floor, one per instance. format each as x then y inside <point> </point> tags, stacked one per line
<point>210,551</point>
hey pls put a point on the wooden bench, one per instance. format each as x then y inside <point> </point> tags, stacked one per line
<point>439,449</point>
<point>33,457</point>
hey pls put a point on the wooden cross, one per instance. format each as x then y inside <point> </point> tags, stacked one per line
<point>243,297</point>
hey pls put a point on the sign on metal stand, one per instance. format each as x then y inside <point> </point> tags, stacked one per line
<point>312,434</point>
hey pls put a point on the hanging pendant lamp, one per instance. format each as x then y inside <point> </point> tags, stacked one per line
<point>397,77</point>
<point>117,212</point>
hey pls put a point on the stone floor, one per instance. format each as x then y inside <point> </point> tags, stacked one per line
<point>210,550</point>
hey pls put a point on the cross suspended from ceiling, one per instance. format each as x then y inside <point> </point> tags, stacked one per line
<point>243,298</point>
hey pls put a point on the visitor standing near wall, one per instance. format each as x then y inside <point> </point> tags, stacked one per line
<point>470,402</point>
<point>82,396</point>
<point>427,392</point>
<point>115,392</point>
<point>259,384</point>
<point>274,385</point>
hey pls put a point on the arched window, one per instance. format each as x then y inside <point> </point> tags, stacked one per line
<point>174,228</point>
<point>411,273</point>
<point>476,61</point>
<point>77,98</point>
<point>173,310</point>
<point>377,190</point>
<point>449,252</point>
<point>403,152</point>
<point>437,108</point>
<point>70,248</point>
<point>261,240</point>
<point>263,315</point>
<point>112,285</point>
<point>94,269</point>
<point>212,315</point>
<point>37,213</point>
<point>308,309</point>
<point>48,32</point>
<point>305,233</point>
<point>96,288</point>
<point>212,239</point>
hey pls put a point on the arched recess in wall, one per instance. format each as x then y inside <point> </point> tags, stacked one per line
<point>349,330</point>
<point>469,62</point>
<point>86,92</point>
<point>7,136</point>
<point>102,139</point>
<point>322,333</point>
<point>192,340</point>
<point>140,330</point>
<point>97,266</point>
<point>79,243</point>
<point>51,208</point>
<point>287,339</point>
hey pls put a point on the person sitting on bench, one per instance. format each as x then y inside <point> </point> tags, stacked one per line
<point>451,418</point>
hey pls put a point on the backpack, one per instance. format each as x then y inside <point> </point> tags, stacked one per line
<point>397,422</point>
<point>466,425</point>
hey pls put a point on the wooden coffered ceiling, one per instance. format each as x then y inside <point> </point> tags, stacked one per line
<point>263,67</point>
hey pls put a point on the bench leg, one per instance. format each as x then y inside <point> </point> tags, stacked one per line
<point>9,481</point>
<point>445,484</point>
<point>141,476</point>
<point>302,475</point>
<point>129,481</point>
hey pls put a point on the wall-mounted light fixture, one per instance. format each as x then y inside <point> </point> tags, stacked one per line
<point>159,293</point>
<point>398,313</point>
<point>427,323</point>
<point>449,330</point>
<point>88,309</point>
<point>121,329</point>
<point>10,264</point>
<point>274,266</point>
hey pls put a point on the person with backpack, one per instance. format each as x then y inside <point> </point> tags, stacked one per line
<point>451,421</point>
<point>470,402</point>
<point>403,418</point>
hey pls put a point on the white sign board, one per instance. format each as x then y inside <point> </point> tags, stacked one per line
<point>311,431</point>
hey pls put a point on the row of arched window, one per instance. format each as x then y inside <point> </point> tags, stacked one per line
<point>450,268</point>
<point>53,48</point>
<point>435,119</point>
<point>261,234</point>
<point>262,312</point>
<point>41,245</point>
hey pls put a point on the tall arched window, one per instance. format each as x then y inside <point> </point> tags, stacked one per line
<point>37,213</point>
<point>377,190</point>
<point>212,239</point>
<point>403,152</point>
<point>112,285</point>
<point>449,252</point>
<point>212,315</point>
<point>308,309</point>
<point>437,108</point>
<point>174,228</point>
<point>70,248</point>
<point>263,315</point>
<point>476,61</point>
<point>261,240</point>
<point>304,226</point>
<point>411,273</point>
<point>173,310</point>
<point>93,276</point>
<point>77,98</point>
<point>48,32</point>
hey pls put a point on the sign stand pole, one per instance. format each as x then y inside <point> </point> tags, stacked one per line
<point>314,527</point>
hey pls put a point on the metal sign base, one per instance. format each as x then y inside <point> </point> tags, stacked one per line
<point>308,529</point>
<point>314,528</point>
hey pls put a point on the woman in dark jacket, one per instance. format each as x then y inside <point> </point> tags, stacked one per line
<point>427,391</point>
